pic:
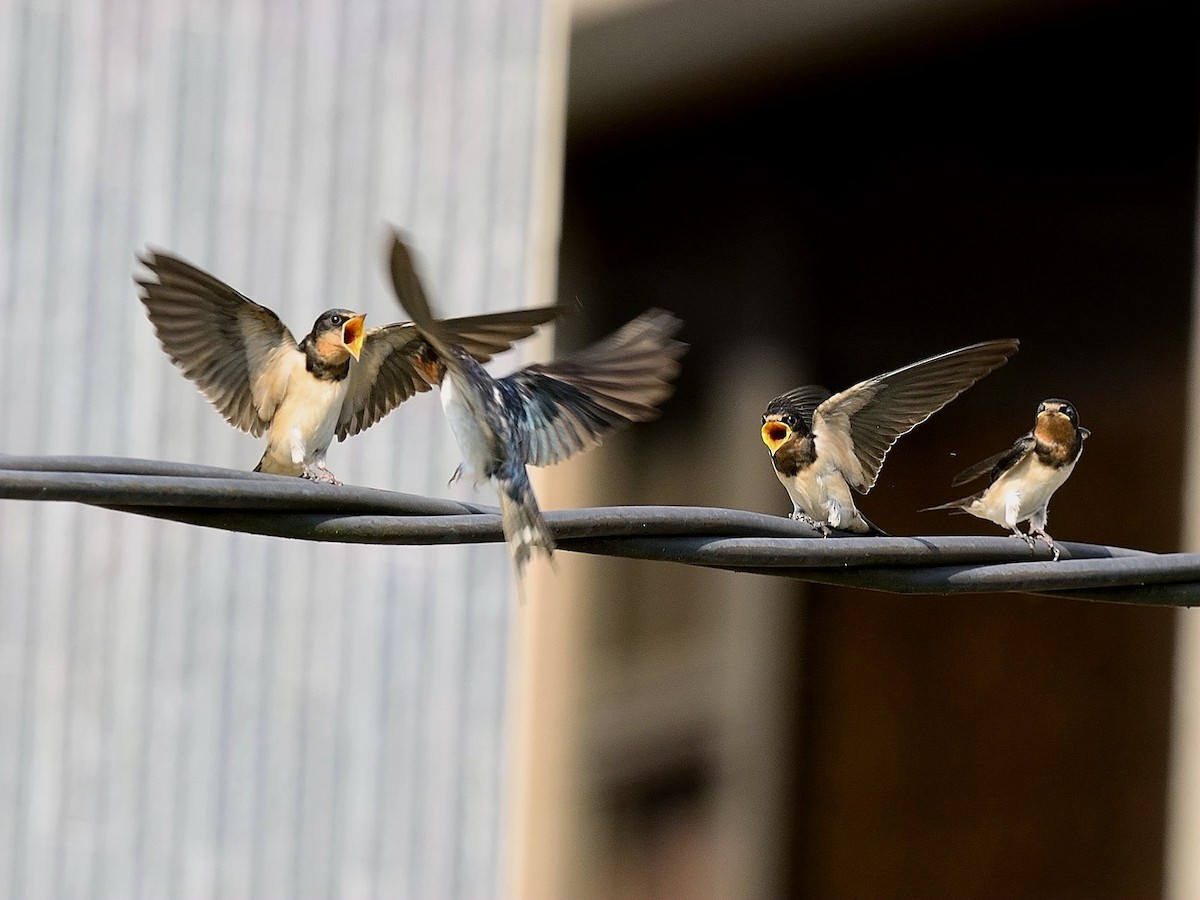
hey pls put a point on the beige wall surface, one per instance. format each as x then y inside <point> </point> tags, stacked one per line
<point>192,713</point>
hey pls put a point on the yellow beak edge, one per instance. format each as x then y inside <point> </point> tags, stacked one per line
<point>354,332</point>
<point>775,435</point>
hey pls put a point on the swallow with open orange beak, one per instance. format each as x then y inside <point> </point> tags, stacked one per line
<point>340,379</point>
<point>1023,478</point>
<point>822,445</point>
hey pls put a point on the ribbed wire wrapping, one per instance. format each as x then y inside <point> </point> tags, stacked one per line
<point>717,538</point>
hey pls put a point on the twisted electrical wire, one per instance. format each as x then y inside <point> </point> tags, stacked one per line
<point>736,540</point>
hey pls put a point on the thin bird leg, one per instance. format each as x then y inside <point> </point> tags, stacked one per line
<point>1011,511</point>
<point>1037,528</point>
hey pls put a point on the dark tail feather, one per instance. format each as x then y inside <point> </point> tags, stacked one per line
<point>875,530</point>
<point>955,506</point>
<point>524,528</point>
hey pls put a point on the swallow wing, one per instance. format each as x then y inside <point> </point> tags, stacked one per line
<point>411,294</point>
<point>996,465</point>
<point>230,346</point>
<point>386,373</point>
<point>486,335</point>
<point>858,426</point>
<point>573,403</point>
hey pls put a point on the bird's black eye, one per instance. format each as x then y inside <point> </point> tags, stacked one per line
<point>764,421</point>
<point>790,421</point>
<point>1041,408</point>
<point>336,320</point>
<point>1068,412</point>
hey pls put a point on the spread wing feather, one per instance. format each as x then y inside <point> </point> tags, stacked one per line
<point>571,404</point>
<point>484,336</point>
<point>567,405</point>
<point>220,339</point>
<point>387,374</point>
<point>872,415</point>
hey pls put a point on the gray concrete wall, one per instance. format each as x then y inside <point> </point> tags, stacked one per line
<point>192,713</point>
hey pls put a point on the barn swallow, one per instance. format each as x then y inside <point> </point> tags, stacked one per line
<point>541,414</point>
<point>822,445</point>
<point>1023,478</point>
<point>341,378</point>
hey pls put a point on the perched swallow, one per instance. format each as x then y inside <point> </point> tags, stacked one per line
<point>541,414</point>
<point>341,378</point>
<point>822,445</point>
<point>1023,478</point>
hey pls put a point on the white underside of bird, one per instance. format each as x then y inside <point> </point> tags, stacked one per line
<point>1023,492</point>
<point>305,419</point>
<point>468,430</point>
<point>820,492</point>
<point>524,527</point>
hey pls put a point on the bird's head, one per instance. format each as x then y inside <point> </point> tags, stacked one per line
<point>780,424</point>
<point>339,332</point>
<point>1057,421</point>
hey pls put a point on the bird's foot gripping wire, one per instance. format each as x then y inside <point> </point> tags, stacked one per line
<point>1039,535</point>
<point>797,516</point>
<point>1029,539</point>
<point>319,474</point>
<point>457,475</point>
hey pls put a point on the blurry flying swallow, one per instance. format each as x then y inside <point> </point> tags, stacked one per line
<point>1023,478</point>
<point>822,445</point>
<point>341,378</point>
<point>541,414</point>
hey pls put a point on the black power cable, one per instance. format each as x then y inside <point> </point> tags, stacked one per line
<point>701,536</point>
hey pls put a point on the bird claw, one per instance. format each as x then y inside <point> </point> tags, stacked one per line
<point>457,475</point>
<point>1032,539</point>
<point>1049,541</point>
<point>319,475</point>
<point>797,516</point>
<point>1029,540</point>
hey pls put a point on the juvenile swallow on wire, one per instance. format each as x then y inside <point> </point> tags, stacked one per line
<point>541,414</point>
<point>1023,478</point>
<point>339,379</point>
<point>822,445</point>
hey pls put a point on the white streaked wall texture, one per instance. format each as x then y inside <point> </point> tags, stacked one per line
<point>189,713</point>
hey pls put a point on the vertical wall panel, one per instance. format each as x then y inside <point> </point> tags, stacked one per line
<point>191,713</point>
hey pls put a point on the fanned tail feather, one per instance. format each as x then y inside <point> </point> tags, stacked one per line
<point>524,528</point>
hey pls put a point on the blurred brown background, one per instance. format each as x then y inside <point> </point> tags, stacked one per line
<point>825,192</point>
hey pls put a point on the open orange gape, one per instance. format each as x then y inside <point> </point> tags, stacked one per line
<point>353,333</point>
